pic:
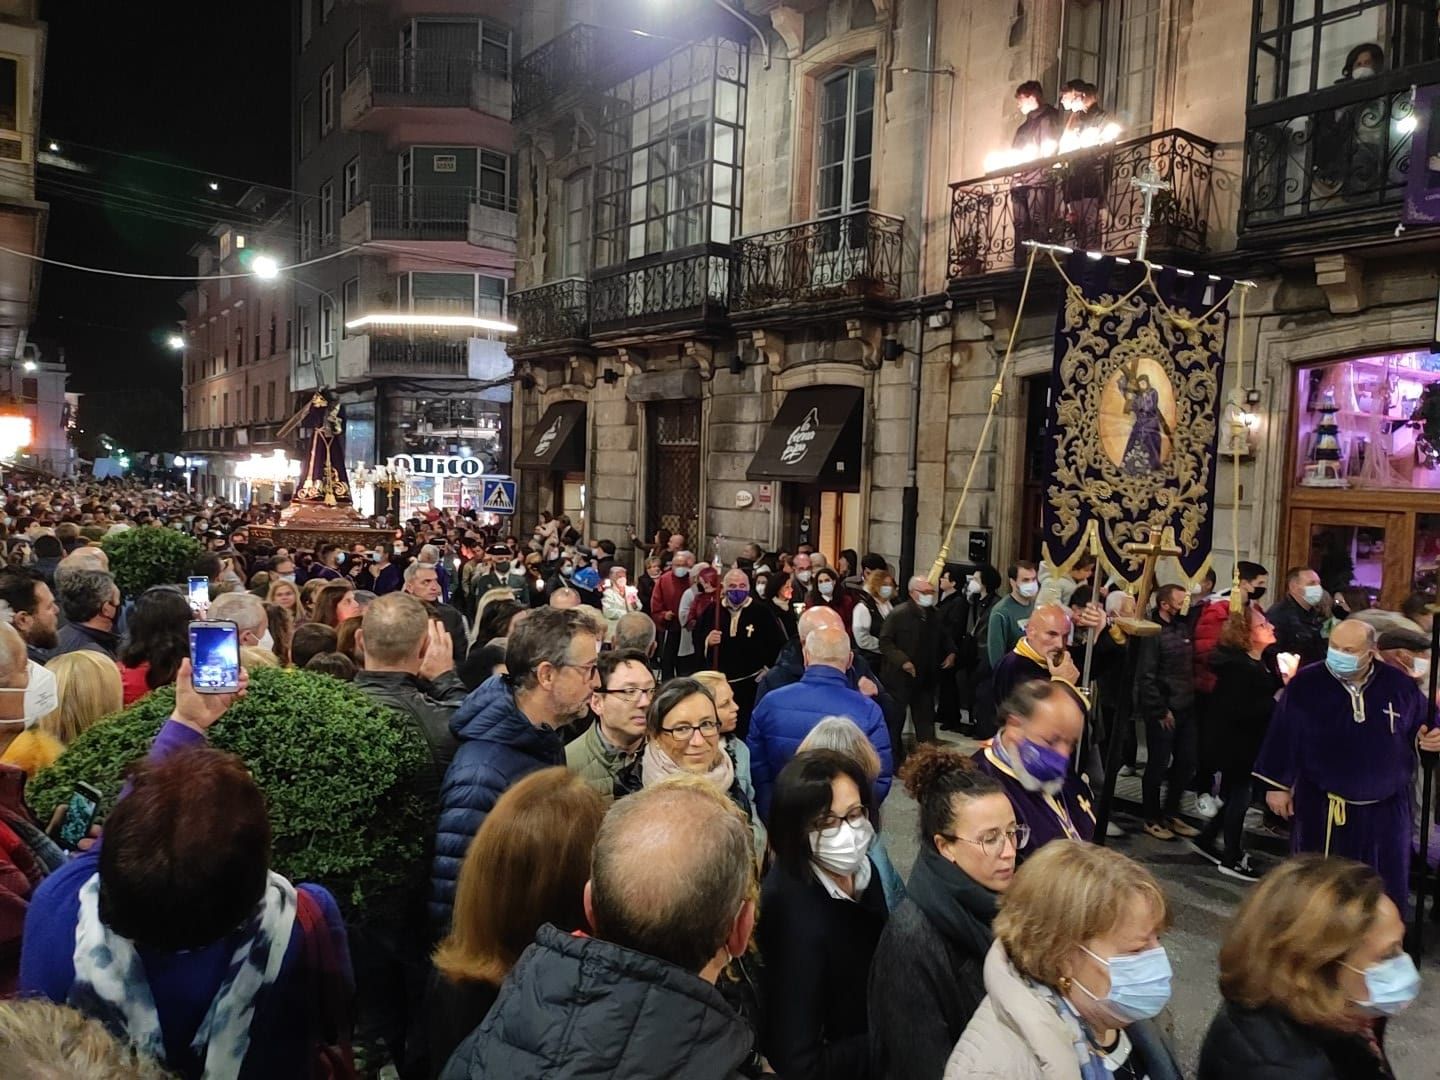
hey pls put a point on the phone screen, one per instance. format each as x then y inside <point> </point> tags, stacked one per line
<point>200,595</point>
<point>215,657</point>
<point>80,814</point>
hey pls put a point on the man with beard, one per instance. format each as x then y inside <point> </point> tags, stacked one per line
<point>35,614</point>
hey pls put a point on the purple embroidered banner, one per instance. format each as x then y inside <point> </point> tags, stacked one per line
<point>1422,190</point>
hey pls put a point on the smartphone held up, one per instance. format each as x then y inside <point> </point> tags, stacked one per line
<point>215,657</point>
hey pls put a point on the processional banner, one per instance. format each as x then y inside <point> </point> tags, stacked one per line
<point>1422,189</point>
<point>1134,413</point>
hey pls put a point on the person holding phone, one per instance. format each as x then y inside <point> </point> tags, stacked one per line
<point>197,1016</point>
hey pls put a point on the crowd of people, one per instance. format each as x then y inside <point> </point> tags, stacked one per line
<point>655,800</point>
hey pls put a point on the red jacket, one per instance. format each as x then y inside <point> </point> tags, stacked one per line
<point>1207,636</point>
<point>20,872</point>
<point>665,597</point>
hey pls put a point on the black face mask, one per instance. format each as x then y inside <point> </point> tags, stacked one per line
<point>1257,592</point>
<point>744,564</point>
<point>502,568</point>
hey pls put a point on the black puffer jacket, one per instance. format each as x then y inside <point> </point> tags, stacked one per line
<point>1165,670</point>
<point>580,1007</point>
<point>1266,1044</point>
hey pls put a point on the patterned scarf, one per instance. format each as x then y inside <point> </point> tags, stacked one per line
<point>658,767</point>
<point>111,985</point>
<point>1091,1066</point>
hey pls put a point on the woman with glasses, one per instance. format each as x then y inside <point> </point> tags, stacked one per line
<point>824,913</point>
<point>682,738</point>
<point>727,711</point>
<point>927,979</point>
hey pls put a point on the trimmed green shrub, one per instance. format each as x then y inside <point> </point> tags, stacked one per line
<point>343,777</point>
<point>150,555</point>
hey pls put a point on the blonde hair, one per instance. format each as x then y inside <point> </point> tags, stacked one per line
<point>41,1039</point>
<point>1286,942</point>
<point>253,656</point>
<point>1064,895</point>
<point>711,678</point>
<point>297,609</point>
<point>875,578</point>
<point>843,735</point>
<point>88,687</point>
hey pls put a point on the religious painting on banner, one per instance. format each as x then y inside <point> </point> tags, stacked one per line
<point>1134,405</point>
<point>1422,188</point>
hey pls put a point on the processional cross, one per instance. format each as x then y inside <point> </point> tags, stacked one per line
<point>1150,185</point>
<point>1158,544</point>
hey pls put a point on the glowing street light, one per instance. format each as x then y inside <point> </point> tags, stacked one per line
<point>265,267</point>
<point>29,365</point>
<point>176,342</point>
<point>54,147</point>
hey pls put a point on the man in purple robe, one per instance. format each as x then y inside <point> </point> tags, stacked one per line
<point>1340,757</point>
<point>1042,723</point>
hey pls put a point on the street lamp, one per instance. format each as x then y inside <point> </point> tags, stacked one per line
<point>266,267</point>
<point>29,365</point>
<point>176,342</point>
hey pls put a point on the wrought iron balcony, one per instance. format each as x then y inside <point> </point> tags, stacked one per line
<point>841,257</point>
<point>427,76</point>
<point>1084,199</point>
<point>674,288</point>
<point>427,212</point>
<point>555,312</point>
<point>1321,164</point>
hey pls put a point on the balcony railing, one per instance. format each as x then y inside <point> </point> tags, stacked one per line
<point>558,311</point>
<point>427,212</point>
<point>694,285</point>
<point>429,355</point>
<point>844,256</point>
<point>1328,162</point>
<point>427,76</point>
<point>583,57</point>
<point>1084,199</point>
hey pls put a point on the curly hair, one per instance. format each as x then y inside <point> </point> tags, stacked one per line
<point>935,777</point>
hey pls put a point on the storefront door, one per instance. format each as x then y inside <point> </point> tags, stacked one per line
<point>673,487</point>
<point>827,520</point>
<point>1351,549</point>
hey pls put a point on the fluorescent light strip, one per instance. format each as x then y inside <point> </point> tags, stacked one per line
<point>392,318</point>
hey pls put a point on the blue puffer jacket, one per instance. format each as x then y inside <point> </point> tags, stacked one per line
<point>498,746</point>
<point>785,716</point>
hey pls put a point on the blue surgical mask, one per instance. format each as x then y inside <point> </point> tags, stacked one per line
<point>1314,594</point>
<point>1392,985</point>
<point>1341,663</point>
<point>1139,984</point>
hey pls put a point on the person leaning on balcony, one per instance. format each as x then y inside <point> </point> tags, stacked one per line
<point>1085,123</point>
<point>1032,195</point>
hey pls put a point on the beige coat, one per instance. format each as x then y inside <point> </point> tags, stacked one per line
<point>1014,1035</point>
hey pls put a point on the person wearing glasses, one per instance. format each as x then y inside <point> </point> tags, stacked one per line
<point>928,976</point>
<point>607,755</point>
<point>824,911</point>
<point>682,738</point>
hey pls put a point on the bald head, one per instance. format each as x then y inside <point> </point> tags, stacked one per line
<point>736,579</point>
<point>1048,628</point>
<point>828,646</point>
<point>1353,636</point>
<point>246,611</point>
<point>816,618</point>
<point>673,865</point>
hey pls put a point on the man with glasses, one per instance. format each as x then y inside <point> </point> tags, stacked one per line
<point>607,755</point>
<point>508,728</point>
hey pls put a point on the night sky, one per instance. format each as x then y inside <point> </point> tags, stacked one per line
<point>199,83</point>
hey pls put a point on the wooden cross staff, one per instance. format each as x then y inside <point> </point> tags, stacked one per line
<point>1158,543</point>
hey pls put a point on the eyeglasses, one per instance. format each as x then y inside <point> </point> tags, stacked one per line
<point>829,824</point>
<point>685,732</point>
<point>587,669</point>
<point>630,694</point>
<point>993,842</point>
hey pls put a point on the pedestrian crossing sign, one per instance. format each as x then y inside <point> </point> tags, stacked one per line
<point>498,496</point>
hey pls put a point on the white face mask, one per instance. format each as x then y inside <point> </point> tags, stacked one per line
<point>1362,72</point>
<point>1420,667</point>
<point>42,695</point>
<point>972,588</point>
<point>267,641</point>
<point>802,576</point>
<point>843,853</point>
<point>926,599</point>
<point>1029,588</point>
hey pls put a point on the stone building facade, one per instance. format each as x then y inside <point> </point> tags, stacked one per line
<point>850,266</point>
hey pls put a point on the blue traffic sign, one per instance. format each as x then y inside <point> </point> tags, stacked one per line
<point>497,496</point>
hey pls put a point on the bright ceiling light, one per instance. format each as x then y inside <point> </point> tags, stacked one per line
<point>396,318</point>
<point>266,267</point>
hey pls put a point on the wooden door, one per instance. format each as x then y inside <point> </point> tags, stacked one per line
<point>1353,548</point>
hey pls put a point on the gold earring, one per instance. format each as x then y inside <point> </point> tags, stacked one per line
<point>1065,984</point>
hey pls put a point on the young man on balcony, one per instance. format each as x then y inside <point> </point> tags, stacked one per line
<point>1032,192</point>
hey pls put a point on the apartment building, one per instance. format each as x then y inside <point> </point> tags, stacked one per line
<point>235,350</point>
<point>766,271</point>
<point>404,156</point>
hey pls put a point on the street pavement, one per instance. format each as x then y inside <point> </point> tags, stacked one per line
<point>1201,903</point>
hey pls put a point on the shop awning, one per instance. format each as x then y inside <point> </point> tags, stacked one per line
<point>815,436</point>
<point>557,442</point>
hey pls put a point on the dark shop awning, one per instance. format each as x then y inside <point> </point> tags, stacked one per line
<point>557,442</point>
<point>815,437</point>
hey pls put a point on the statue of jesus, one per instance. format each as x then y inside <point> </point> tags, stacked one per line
<point>324,479</point>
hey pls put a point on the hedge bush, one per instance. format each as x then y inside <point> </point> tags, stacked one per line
<point>150,555</point>
<point>338,773</point>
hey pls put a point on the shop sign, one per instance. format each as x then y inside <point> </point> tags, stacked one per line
<point>797,443</point>
<point>437,465</point>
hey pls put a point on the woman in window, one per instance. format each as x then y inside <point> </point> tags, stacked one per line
<point>873,606</point>
<point>824,913</point>
<point>1075,976</point>
<point>682,738</point>
<point>1312,965</point>
<point>927,980</point>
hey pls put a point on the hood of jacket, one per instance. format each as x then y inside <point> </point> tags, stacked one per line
<point>579,1007</point>
<point>490,714</point>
